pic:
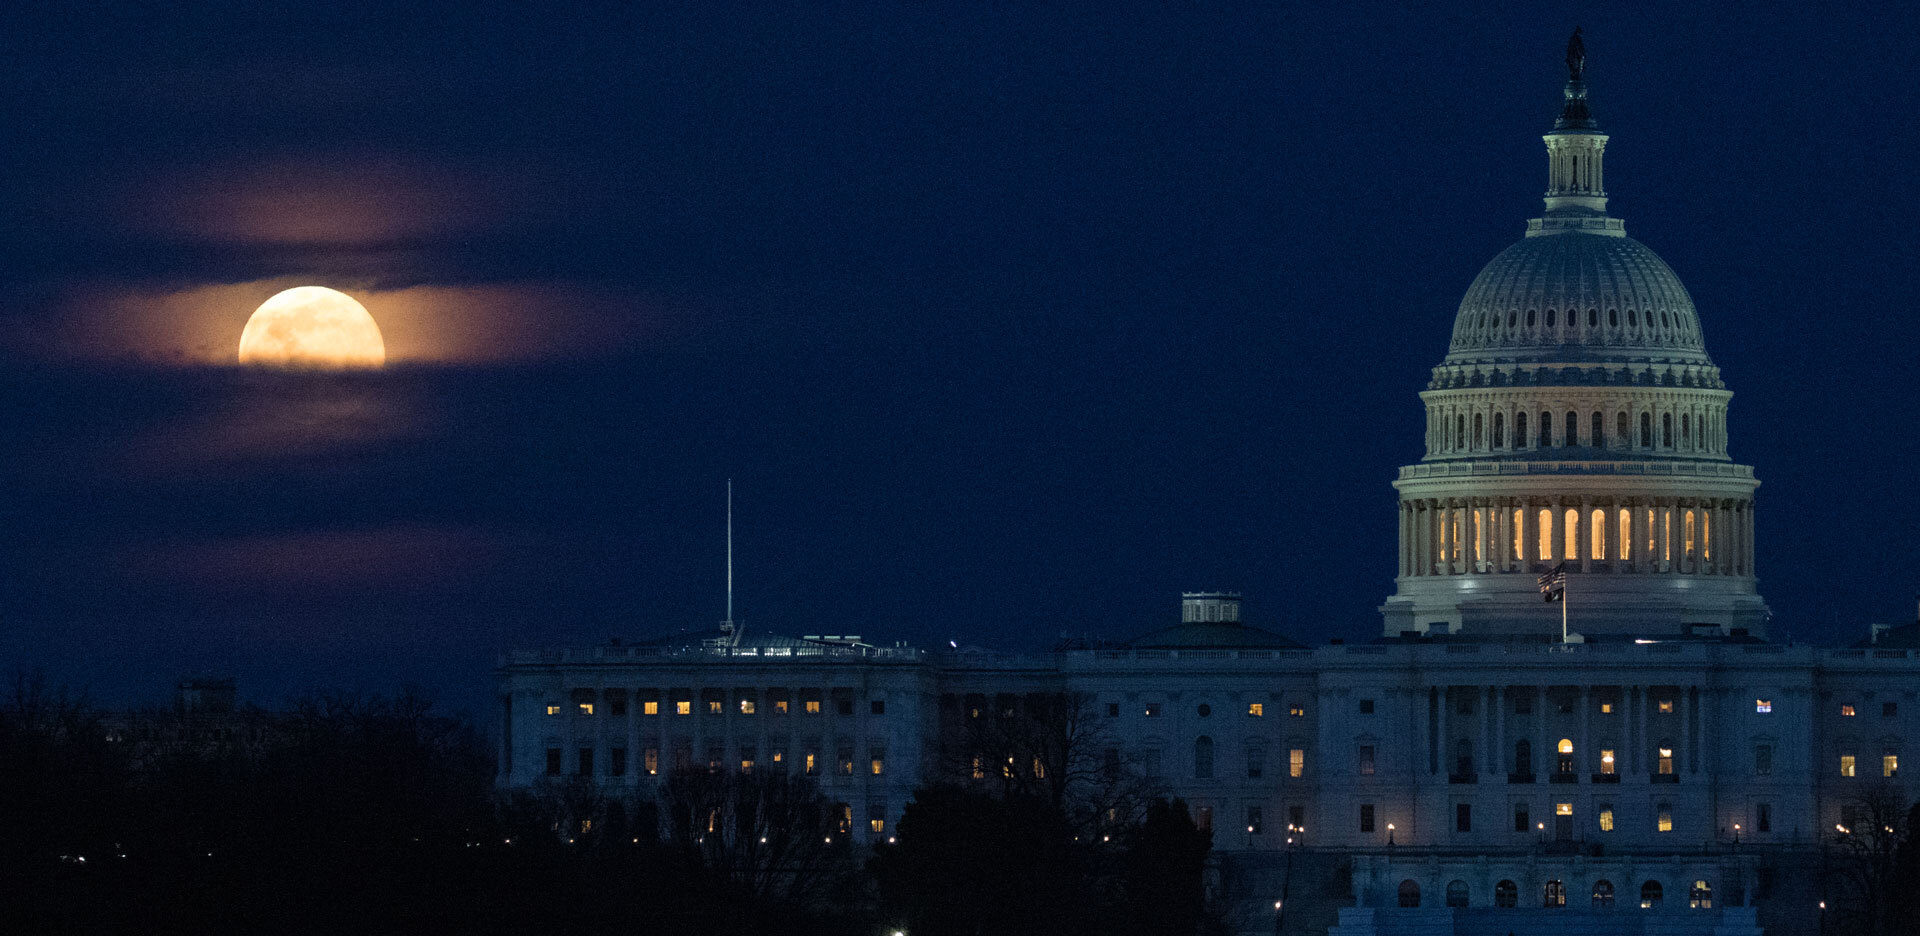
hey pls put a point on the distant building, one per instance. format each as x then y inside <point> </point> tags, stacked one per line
<point>1663,767</point>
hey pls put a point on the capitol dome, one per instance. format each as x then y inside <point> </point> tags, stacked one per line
<point>1574,296</point>
<point>1576,433</point>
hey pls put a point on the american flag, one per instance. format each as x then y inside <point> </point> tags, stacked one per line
<point>1553,583</point>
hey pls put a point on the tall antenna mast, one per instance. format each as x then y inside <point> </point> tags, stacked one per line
<point>727,625</point>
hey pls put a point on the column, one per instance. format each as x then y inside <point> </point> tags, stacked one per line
<point>1639,748</point>
<point>1525,507</point>
<point>1450,536</point>
<point>1586,534</point>
<point>1482,525</point>
<point>1400,512</point>
<point>1663,533</point>
<point>1419,538</point>
<point>1498,755</point>
<point>1502,534</point>
<point>1582,755</point>
<point>1543,750</point>
<point>1442,749</point>
<point>1435,525</point>
<point>1753,521</point>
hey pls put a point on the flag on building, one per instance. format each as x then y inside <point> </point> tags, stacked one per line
<point>1553,583</point>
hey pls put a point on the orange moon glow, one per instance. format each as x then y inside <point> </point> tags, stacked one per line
<point>312,326</point>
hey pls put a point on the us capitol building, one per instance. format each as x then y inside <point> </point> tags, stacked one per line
<point>1663,767</point>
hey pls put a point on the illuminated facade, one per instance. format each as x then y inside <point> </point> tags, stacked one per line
<point>1668,769</point>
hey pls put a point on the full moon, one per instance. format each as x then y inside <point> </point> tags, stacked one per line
<point>312,326</point>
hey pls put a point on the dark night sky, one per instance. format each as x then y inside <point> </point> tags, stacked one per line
<point>1007,321</point>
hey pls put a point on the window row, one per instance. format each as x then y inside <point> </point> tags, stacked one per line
<point>1699,429</point>
<point>810,760</point>
<point>1564,827</point>
<point>1204,710</point>
<point>1887,709</point>
<point>1151,762</point>
<point>1553,894</point>
<point>615,702</point>
<point>1468,534</point>
<point>1565,324</point>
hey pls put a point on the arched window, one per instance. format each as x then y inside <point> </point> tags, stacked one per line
<point>1633,319</point>
<point>1620,429</point>
<point>1512,317</point>
<point>1603,894</point>
<point>1686,435</point>
<point>1613,318</point>
<point>1687,540</point>
<point>1546,534</point>
<point>1666,429</point>
<point>1573,427</point>
<point>1460,431</point>
<point>1598,437</point>
<point>1522,757</point>
<point>1529,318</point>
<point>1646,430</point>
<point>1554,894</point>
<point>1519,430</point>
<point>1650,895</point>
<point>1599,522</point>
<point>1409,893</point>
<point>1256,758</point>
<point>1476,430</point>
<point>1549,318</point>
<point>1456,893</point>
<point>1593,318</point>
<point>1499,424</point>
<point>1203,757</point>
<point>1572,524</point>
<point>1546,429</point>
<point>1700,896</point>
<point>1519,517</point>
<point>1565,766</point>
<point>1506,894</point>
<point>1463,758</point>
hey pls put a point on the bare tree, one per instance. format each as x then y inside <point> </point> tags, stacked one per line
<point>1052,746</point>
<point>1862,862</point>
<point>769,833</point>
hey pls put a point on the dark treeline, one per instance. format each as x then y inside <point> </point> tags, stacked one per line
<point>372,814</point>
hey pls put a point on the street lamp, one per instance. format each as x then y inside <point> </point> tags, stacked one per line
<point>1389,833</point>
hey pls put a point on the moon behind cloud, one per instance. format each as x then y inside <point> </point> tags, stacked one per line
<point>312,326</point>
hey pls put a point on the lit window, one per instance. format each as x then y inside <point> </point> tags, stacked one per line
<point>553,710</point>
<point>878,764</point>
<point>779,757</point>
<point>1566,746</point>
<point>1563,809</point>
<point>1846,765</point>
<point>846,762</point>
<point>746,707</point>
<point>1606,818</point>
<point>877,825</point>
<point>1606,708</point>
<point>813,762</point>
<point>1665,821</point>
<point>779,706</point>
<point>1546,534</point>
<point>813,706</point>
<point>715,707</point>
<point>1890,765</point>
<point>683,708</point>
<point>1297,710</point>
<point>1153,710</point>
<point>746,764</point>
<point>586,708</point>
<point>979,771</point>
<point>1606,761</point>
<point>1296,763</point>
<point>1700,897</point>
<point>652,759</point>
<point>649,708</point>
<point>1666,706</point>
<point>1846,710</point>
<point>1256,709</point>
<point>1763,706</point>
<point>1666,761</point>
